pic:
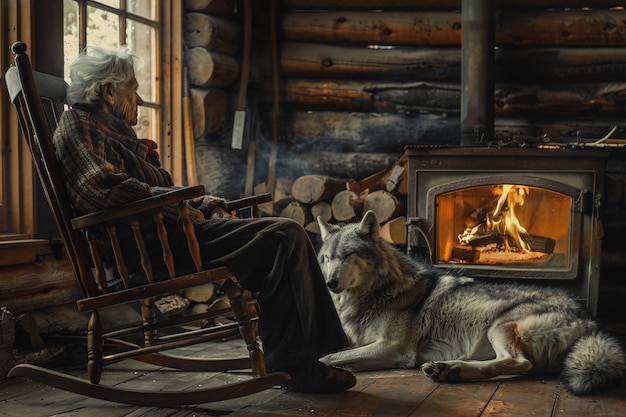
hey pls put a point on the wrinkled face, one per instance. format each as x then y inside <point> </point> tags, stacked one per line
<point>123,101</point>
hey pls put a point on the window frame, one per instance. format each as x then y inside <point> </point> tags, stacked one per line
<point>23,208</point>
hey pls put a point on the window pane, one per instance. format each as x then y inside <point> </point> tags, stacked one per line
<point>141,40</point>
<point>102,29</point>
<point>143,8</point>
<point>112,3</point>
<point>70,34</point>
<point>147,127</point>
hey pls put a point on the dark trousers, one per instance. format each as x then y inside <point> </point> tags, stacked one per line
<point>298,322</point>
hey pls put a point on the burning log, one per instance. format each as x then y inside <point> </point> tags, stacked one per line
<point>535,243</point>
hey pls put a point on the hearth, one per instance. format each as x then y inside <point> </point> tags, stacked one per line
<point>509,213</point>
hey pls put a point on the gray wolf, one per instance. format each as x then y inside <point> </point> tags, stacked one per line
<point>398,313</point>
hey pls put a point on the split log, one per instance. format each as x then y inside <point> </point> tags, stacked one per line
<point>369,183</point>
<point>202,293</point>
<point>384,204</point>
<point>281,197</point>
<point>444,28</point>
<point>394,231</point>
<point>313,227</point>
<point>172,305</point>
<point>211,69</point>
<point>297,212</point>
<point>323,210</point>
<point>396,177</point>
<point>391,179</point>
<point>343,206</point>
<point>212,32</point>
<point>282,190</point>
<point>209,107</point>
<point>217,7</point>
<point>311,189</point>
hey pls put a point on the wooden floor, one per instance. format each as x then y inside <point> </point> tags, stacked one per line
<point>388,393</point>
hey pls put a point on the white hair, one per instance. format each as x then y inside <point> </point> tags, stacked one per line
<point>96,67</point>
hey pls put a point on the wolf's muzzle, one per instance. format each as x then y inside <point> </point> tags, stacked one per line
<point>332,285</point>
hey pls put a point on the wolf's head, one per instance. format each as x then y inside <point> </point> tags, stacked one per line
<point>350,254</point>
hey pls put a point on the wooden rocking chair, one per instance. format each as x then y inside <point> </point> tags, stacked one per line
<point>39,100</point>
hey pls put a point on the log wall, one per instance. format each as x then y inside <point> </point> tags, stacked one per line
<point>371,76</point>
<point>357,80</point>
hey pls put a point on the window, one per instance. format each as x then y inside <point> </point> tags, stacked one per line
<point>109,24</point>
<point>151,28</point>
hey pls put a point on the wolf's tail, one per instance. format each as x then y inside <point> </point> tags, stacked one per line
<point>596,362</point>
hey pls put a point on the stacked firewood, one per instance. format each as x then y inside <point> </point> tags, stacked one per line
<point>197,300</point>
<point>341,201</point>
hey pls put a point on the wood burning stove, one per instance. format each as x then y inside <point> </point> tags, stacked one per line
<point>509,213</point>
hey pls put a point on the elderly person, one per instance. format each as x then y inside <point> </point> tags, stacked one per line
<point>104,164</point>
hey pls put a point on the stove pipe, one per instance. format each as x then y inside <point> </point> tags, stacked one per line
<point>477,69</point>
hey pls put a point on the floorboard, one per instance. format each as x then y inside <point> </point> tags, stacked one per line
<point>392,393</point>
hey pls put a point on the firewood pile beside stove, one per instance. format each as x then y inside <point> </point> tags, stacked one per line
<point>341,201</point>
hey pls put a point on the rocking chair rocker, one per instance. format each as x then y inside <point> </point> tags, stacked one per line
<point>30,91</point>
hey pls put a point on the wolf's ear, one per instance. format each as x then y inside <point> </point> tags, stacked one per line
<point>325,228</point>
<point>369,226</point>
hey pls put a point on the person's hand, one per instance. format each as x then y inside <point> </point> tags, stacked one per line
<point>195,215</point>
<point>220,213</point>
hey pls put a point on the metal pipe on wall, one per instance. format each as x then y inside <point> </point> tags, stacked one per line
<point>477,71</point>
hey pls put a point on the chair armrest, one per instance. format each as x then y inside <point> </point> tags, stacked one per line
<point>139,206</point>
<point>244,202</point>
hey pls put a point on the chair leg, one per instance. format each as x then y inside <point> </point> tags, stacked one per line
<point>94,348</point>
<point>148,315</point>
<point>246,327</point>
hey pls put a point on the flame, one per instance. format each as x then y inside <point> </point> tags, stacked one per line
<point>503,218</point>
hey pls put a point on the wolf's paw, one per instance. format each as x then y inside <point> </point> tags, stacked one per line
<point>440,371</point>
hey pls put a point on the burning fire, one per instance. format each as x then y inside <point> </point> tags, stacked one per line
<point>501,220</point>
